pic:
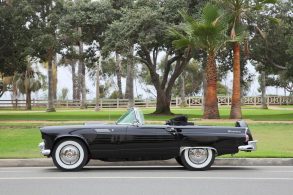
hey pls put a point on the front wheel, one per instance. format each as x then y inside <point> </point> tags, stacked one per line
<point>70,155</point>
<point>197,158</point>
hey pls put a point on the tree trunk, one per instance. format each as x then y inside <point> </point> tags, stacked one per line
<point>99,64</point>
<point>74,82</point>
<point>28,100</point>
<point>164,86</point>
<point>82,73</point>
<point>118,75</point>
<point>27,85</point>
<point>14,96</point>
<point>182,90</point>
<point>211,110</point>
<point>163,103</point>
<point>129,79</point>
<point>263,90</point>
<point>204,81</point>
<point>77,85</point>
<point>50,107</point>
<point>54,68</point>
<point>83,86</point>
<point>204,88</point>
<point>236,94</point>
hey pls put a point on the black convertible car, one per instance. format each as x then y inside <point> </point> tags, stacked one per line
<point>129,139</point>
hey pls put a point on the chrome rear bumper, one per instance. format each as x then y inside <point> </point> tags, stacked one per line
<point>43,150</point>
<point>251,146</point>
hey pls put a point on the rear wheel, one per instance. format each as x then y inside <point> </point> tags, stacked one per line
<point>70,155</point>
<point>197,158</point>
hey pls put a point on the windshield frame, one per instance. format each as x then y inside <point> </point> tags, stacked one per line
<point>138,117</point>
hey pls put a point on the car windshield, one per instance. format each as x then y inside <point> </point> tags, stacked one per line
<point>132,116</point>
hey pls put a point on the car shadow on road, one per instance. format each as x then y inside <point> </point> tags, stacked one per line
<point>152,168</point>
<point>232,168</point>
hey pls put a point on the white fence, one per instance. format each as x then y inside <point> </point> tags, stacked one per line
<point>123,103</point>
<point>248,100</point>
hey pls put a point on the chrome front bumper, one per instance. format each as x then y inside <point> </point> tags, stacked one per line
<point>43,150</point>
<point>251,146</point>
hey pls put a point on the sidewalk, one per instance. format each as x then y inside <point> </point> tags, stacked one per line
<point>45,162</point>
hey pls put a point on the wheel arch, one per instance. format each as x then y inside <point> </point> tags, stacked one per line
<point>182,148</point>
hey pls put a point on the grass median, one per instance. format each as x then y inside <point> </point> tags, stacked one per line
<point>251,113</point>
<point>20,140</point>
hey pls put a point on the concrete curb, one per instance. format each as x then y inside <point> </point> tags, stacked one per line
<point>47,162</point>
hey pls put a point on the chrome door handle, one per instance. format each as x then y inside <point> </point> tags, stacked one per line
<point>172,130</point>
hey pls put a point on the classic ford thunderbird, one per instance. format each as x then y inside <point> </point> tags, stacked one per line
<point>129,139</point>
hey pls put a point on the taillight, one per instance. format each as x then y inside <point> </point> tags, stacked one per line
<point>246,135</point>
<point>246,138</point>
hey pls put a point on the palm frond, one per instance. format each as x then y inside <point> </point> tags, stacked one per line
<point>181,43</point>
<point>207,32</point>
<point>210,13</point>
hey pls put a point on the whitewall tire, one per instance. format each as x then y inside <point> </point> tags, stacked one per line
<point>70,155</point>
<point>197,158</point>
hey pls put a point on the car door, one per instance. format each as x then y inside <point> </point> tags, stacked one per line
<point>151,142</point>
<point>106,141</point>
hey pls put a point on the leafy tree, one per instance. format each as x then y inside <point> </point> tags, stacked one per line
<point>207,33</point>
<point>118,7</point>
<point>144,26</point>
<point>45,38</point>
<point>69,59</point>
<point>6,84</point>
<point>271,47</point>
<point>84,22</point>
<point>190,81</point>
<point>15,35</point>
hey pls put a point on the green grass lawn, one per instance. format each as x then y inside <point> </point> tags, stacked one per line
<point>113,114</point>
<point>21,140</point>
<point>19,134</point>
<point>19,143</point>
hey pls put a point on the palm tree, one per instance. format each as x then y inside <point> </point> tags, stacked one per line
<point>28,82</point>
<point>207,33</point>
<point>238,11</point>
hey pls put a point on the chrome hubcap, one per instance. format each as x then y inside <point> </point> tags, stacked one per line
<point>69,154</point>
<point>198,155</point>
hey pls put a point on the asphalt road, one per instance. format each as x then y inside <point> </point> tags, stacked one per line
<point>152,180</point>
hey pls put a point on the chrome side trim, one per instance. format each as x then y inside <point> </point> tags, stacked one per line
<point>44,151</point>
<point>206,147</point>
<point>251,146</point>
